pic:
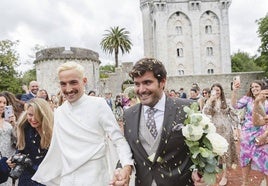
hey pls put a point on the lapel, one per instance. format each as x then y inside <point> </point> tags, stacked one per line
<point>168,123</point>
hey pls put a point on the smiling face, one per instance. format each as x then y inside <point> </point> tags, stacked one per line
<point>148,89</point>
<point>32,118</point>
<point>34,87</point>
<point>72,84</point>
<point>217,91</point>
<point>255,89</point>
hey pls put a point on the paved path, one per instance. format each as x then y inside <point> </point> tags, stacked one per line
<point>235,177</point>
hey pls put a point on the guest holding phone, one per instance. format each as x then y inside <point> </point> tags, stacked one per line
<point>7,148</point>
<point>252,155</point>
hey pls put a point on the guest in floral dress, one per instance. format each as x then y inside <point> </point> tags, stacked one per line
<point>252,156</point>
<point>217,108</point>
<point>34,135</point>
<point>6,134</point>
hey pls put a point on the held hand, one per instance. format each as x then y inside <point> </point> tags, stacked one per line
<point>121,177</point>
<point>10,164</point>
<point>236,85</point>
<point>198,181</point>
<point>12,120</point>
<point>263,95</point>
<point>262,139</point>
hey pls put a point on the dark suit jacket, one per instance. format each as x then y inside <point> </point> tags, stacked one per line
<point>4,170</point>
<point>174,167</point>
<point>26,97</point>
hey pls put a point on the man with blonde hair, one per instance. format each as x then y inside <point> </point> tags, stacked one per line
<point>83,126</point>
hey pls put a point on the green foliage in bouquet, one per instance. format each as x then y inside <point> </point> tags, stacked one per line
<point>205,145</point>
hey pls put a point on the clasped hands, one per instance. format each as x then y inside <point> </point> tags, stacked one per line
<point>198,181</point>
<point>121,176</point>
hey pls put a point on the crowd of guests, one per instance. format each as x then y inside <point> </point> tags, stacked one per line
<point>232,125</point>
<point>29,129</point>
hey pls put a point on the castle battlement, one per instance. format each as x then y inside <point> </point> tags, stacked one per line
<point>61,53</point>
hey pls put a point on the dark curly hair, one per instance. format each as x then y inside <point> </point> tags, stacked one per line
<point>149,65</point>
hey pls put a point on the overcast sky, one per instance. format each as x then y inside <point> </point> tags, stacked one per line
<point>81,23</point>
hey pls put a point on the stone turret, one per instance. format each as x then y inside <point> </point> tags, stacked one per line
<point>48,60</point>
<point>191,37</point>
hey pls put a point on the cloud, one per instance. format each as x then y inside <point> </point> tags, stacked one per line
<point>82,23</point>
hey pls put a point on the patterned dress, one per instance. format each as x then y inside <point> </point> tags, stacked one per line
<point>249,152</point>
<point>6,144</point>
<point>223,126</point>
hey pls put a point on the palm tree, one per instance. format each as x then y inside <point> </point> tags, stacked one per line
<point>116,38</point>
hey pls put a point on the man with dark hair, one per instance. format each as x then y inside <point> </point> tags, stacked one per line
<point>153,130</point>
<point>182,93</point>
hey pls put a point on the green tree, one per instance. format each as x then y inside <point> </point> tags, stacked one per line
<point>29,76</point>
<point>116,38</point>
<point>104,70</point>
<point>9,80</point>
<point>242,62</point>
<point>263,34</point>
<point>262,60</point>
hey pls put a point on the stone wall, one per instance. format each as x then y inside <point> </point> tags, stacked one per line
<point>205,81</point>
<point>115,81</point>
<point>48,60</point>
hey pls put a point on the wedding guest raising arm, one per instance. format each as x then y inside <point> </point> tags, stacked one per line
<point>259,115</point>
<point>216,107</point>
<point>7,147</point>
<point>250,151</point>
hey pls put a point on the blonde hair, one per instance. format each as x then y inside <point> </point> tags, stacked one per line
<point>44,115</point>
<point>71,65</point>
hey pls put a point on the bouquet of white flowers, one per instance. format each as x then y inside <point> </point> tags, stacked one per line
<point>205,145</point>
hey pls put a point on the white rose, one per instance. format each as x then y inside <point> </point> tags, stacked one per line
<point>205,120</point>
<point>199,118</point>
<point>210,128</point>
<point>192,132</point>
<point>195,118</point>
<point>219,143</point>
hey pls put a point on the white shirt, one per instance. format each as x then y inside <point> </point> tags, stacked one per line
<point>159,114</point>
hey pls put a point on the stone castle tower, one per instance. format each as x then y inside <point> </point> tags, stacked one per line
<point>191,37</point>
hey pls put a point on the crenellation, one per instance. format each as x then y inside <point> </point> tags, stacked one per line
<point>61,53</point>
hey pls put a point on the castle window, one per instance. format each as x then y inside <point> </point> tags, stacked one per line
<point>209,51</point>
<point>211,71</point>
<point>180,72</point>
<point>179,52</point>
<point>208,29</point>
<point>195,6</point>
<point>178,30</point>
